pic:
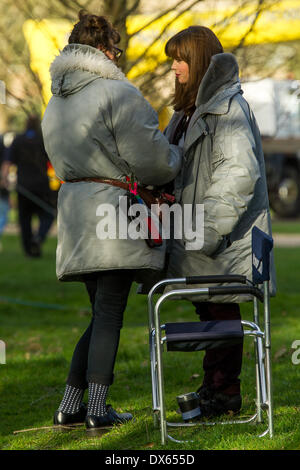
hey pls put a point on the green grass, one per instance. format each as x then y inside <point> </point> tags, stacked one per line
<point>40,337</point>
<point>286,226</point>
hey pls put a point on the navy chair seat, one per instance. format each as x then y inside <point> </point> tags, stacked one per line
<point>197,336</point>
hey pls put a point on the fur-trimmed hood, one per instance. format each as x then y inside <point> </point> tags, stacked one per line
<point>77,65</point>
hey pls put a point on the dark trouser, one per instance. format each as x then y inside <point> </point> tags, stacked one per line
<point>27,209</point>
<point>222,366</point>
<point>95,353</point>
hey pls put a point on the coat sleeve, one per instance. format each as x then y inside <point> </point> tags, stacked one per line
<point>235,173</point>
<point>140,143</point>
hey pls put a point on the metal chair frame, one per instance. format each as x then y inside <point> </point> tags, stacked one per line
<point>262,345</point>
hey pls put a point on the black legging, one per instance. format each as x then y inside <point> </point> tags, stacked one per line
<point>95,353</point>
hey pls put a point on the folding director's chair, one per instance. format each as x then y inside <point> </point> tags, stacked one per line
<point>194,336</point>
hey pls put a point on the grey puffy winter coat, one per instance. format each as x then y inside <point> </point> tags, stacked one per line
<point>97,124</point>
<point>223,169</point>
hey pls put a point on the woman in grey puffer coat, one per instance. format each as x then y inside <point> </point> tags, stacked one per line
<point>223,170</point>
<point>98,125</point>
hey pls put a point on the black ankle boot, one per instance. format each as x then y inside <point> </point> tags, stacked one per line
<point>205,394</point>
<point>221,404</point>
<point>61,418</point>
<point>214,403</point>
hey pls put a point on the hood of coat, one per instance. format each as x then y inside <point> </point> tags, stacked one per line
<point>77,65</point>
<point>219,84</point>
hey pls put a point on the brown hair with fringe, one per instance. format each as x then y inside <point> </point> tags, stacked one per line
<point>95,31</point>
<point>194,45</point>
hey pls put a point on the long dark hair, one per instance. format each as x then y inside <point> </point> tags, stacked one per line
<point>94,31</point>
<point>194,45</point>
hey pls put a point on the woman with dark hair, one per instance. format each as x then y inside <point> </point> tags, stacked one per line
<point>98,130</point>
<point>223,170</point>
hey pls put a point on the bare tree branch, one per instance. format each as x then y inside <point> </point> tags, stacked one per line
<point>14,56</point>
<point>226,19</point>
<point>21,101</point>
<point>167,25</point>
<point>160,15</point>
<point>259,10</point>
<point>133,8</point>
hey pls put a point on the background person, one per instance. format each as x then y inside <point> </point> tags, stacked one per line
<point>98,125</point>
<point>27,152</point>
<point>4,194</point>
<point>223,170</point>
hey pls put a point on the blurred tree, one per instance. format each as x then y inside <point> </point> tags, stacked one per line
<point>23,86</point>
<point>141,64</point>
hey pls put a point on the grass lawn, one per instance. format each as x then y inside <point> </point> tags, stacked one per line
<point>291,227</point>
<point>41,320</point>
